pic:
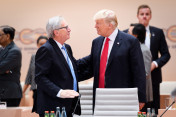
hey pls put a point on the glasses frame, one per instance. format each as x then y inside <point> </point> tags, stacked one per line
<point>66,27</point>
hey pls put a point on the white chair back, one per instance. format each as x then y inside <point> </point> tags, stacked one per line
<point>116,102</point>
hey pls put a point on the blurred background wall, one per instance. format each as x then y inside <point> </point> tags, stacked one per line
<point>29,18</point>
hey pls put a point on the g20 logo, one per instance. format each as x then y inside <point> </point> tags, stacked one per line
<point>28,36</point>
<point>171,33</point>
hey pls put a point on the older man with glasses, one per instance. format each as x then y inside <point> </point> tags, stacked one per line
<point>56,73</point>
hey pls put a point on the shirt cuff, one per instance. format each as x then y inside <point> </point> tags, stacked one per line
<point>155,64</point>
<point>58,94</point>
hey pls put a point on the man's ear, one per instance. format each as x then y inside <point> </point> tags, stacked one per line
<point>8,36</point>
<point>55,32</point>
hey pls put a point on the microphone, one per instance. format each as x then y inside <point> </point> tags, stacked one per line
<point>173,95</point>
<point>76,104</point>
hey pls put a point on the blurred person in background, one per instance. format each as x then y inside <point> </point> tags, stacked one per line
<point>156,42</point>
<point>30,78</point>
<point>10,66</point>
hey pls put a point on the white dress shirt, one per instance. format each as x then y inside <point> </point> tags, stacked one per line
<point>147,41</point>
<point>111,42</point>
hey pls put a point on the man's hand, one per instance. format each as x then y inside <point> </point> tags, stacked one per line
<point>68,94</point>
<point>141,105</point>
<point>153,66</point>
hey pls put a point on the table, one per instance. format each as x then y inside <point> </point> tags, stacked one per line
<point>169,113</point>
<point>17,112</point>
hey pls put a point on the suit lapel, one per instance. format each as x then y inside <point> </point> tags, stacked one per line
<point>58,51</point>
<point>152,36</point>
<point>116,45</point>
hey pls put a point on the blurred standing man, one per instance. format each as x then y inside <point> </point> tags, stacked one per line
<point>10,66</point>
<point>116,59</point>
<point>155,40</point>
<point>56,70</point>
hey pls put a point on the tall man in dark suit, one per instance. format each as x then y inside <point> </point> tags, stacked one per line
<point>155,40</point>
<point>116,59</point>
<point>10,66</point>
<point>56,74</point>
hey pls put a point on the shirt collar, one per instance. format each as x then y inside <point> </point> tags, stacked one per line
<point>59,44</point>
<point>113,35</point>
<point>147,28</point>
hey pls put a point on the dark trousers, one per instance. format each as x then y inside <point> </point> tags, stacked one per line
<point>156,97</point>
<point>12,102</point>
<point>34,109</point>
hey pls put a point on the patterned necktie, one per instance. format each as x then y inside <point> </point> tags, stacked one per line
<point>103,62</point>
<point>71,68</point>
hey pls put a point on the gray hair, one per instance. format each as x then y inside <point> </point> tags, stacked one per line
<point>108,15</point>
<point>53,23</point>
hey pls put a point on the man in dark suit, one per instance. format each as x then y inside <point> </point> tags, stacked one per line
<point>155,40</point>
<point>10,66</point>
<point>55,71</point>
<point>116,59</point>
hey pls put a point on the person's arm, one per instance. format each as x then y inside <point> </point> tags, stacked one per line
<point>138,70</point>
<point>163,50</point>
<point>85,69</point>
<point>25,88</point>
<point>84,66</point>
<point>9,62</point>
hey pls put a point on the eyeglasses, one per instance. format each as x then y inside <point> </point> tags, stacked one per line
<point>2,34</point>
<point>66,27</point>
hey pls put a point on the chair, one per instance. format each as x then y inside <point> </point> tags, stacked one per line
<point>116,102</point>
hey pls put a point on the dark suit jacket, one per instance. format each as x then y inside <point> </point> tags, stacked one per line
<point>125,67</point>
<point>158,45</point>
<point>52,75</point>
<point>10,60</point>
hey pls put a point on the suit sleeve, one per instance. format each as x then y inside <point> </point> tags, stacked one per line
<point>85,69</point>
<point>10,61</point>
<point>43,63</point>
<point>138,70</point>
<point>163,49</point>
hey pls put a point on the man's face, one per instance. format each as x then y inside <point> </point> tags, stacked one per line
<point>102,27</point>
<point>64,32</point>
<point>3,37</point>
<point>144,16</point>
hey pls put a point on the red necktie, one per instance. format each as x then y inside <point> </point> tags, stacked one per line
<point>103,62</point>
